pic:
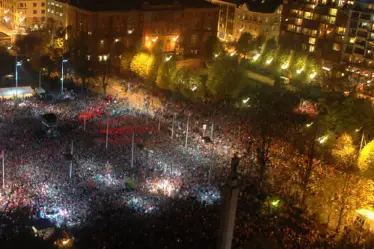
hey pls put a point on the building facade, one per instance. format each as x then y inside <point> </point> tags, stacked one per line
<point>316,26</point>
<point>359,43</point>
<point>254,17</point>
<point>265,22</point>
<point>30,14</point>
<point>181,27</point>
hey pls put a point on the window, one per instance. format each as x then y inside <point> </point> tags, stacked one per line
<point>34,12</point>
<point>311,48</point>
<point>21,5</point>
<point>333,12</point>
<point>298,21</point>
<point>312,40</point>
<point>352,39</point>
<point>194,39</point>
<point>332,20</point>
<point>34,4</point>
<point>308,15</point>
<point>43,4</point>
<point>43,18</point>
<point>291,27</point>
<point>340,30</point>
<point>43,11</point>
<point>336,46</point>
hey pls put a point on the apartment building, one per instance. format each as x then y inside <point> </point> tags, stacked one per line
<point>225,29</point>
<point>7,12</point>
<point>30,14</point>
<point>257,17</point>
<point>359,47</point>
<point>182,26</point>
<point>316,26</point>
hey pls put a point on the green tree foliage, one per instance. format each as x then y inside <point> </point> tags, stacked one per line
<point>213,46</point>
<point>142,64</point>
<point>366,158</point>
<point>344,151</point>
<point>346,114</point>
<point>166,75</point>
<point>245,44</point>
<point>81,64</point>
<point>226,77</point>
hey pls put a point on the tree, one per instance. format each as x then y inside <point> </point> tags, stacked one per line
<point>346,114</point>
<point>213,47</point>
<point>225,77</point>
<point>81,63</point>
<point>245,44</point>
<point>366,157</point>
<point>345,152</point>
<point>142,64</point>
<point>166,75</point>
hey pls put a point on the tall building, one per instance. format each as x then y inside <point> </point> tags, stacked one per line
<point>315,26</point>
<point>257,17</point>
<point>30,14</point>
<point>359,47</point>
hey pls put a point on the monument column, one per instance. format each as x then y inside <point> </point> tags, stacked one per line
<point>229,205</point>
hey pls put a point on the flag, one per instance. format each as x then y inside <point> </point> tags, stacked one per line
<point>2,154</point>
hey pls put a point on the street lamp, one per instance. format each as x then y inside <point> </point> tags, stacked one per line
<point>40,76</point>
<point>62,74</point>
<point>18,64</point>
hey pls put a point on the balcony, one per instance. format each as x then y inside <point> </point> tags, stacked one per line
<point>349,49</point>
<point>362,34</point>
<point>359,51</point>
<point>360,44</point>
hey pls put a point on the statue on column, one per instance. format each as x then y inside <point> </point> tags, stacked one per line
<point>234,165</point>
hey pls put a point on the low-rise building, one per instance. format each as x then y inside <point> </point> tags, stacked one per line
<point>257,17</point>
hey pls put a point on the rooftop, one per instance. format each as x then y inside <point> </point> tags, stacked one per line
<point>262,6</point>
<point>127,5</point>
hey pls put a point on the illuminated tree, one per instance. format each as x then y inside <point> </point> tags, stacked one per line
<point>142,64</point>
<point>166,74</point>
<point>366,157</point>
<point>344,151</point>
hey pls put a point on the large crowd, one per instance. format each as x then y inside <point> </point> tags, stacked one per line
<point>153,193</point>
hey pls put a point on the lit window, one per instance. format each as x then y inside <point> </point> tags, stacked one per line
<point>308,15</point>
<point>341,30</point>
<point>311,48</point>
<point>298,21</point>
<point>336,46</point>
<point>332,20</point>
<point>312,40</point>
<point>102,42</point>
<point>352,40</point>
<point>333,12</point>
<point>89,33</point>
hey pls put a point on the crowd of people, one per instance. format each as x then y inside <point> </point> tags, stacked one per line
<point>154,191</point>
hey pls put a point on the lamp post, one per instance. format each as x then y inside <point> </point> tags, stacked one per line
<point>18,64</point>
<point>62,74</point>
<point>40,76</point>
